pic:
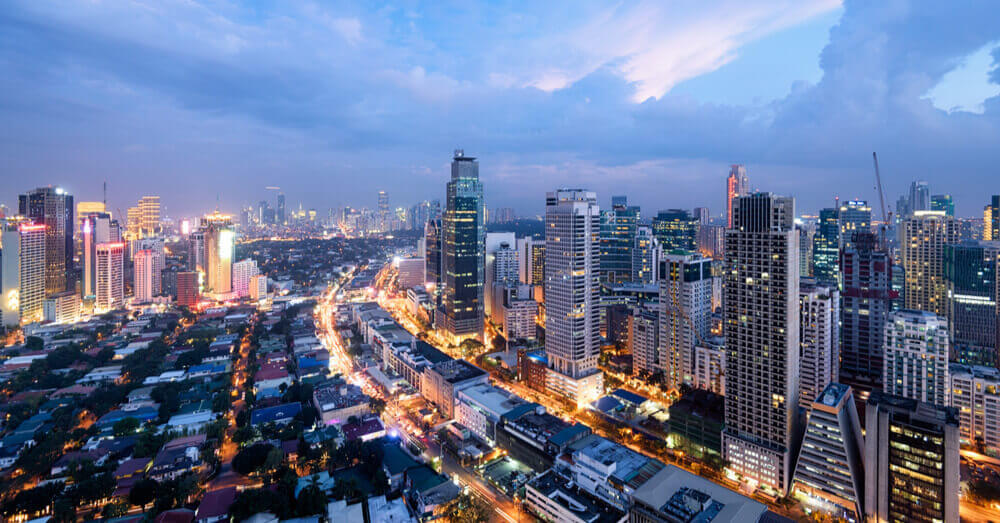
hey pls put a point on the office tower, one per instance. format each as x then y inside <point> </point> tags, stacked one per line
<point>505,264</point>
<point>975,392</point>
<point>155,245</point>
<point>187,288</point>
<point>572,321</point>
<point>819,334</point>
<point>279,211</point>
<point>867,301</point>
<point>53,208</point>
<point>826,248</point>
<point>916,356</point>
<point>701,214</point>
<point>503,215</point>
<point>495,243</point>
<point>911,460</point>
<point>85,208</point>
<point>830,471</point>
<point>645,256</point>
<point>149,210</point>
<point>924,236</point>
<point>96,229</point>
<point>618,227</point>
<point>712,241</point>
<point>902,208</point>
<point>970,272</point>
<point>920,197</point>
<point>220,248</point>
<point>853,216</point>
<point>110,285</point>
<point>432,255</point>
<point>196,251</point>
<point>685,313</point>
<point>258,287</point>
<point>383,202</point>
<point>737,185</point>
<point>463,251</point>
<point>243,272</point>
<point>24,271</point>
<point>991,221</point>
<point>943,202</point>
<point>143,264</point>
<point>675,229</point>
<point>62,308</point>
<point>760,322</point>
<point>805,249</point>
<point>133,223</point>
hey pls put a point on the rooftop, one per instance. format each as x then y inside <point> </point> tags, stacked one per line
<point>456,371</point>
<point>688,497</point>
<point>491,398</point>
<point>554,486</point>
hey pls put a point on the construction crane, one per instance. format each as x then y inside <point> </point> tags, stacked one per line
<point>886,217</point>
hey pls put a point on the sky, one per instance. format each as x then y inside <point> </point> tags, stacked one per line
<point>206,100</point>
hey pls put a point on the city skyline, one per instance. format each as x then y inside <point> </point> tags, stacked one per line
<point>632,119</point>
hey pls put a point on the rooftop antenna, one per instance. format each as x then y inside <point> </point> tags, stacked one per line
<point>105,200</point>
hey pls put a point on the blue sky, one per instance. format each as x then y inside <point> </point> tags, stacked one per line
<point>334,101</point>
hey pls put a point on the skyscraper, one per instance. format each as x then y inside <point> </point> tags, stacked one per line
<point>971,269</point>
<point>196,251</point>
<point>498,244</point>
<point>243,272</point>
<point>867,300</point>
<point>702,215</point>
<point>991,227</point>
<point>911,460</point>
<point>805,249</point>
<point>675,229</point>
<point>463,248</point>
<point>920,197</point>
<point>23,273</point>
<point>280,209</point>
<point>110,285</point>
<point>916,356</point>
<point>685,313</point>
<point>645,256</point>
<point>143,264</point>
<point>943,202</point>
<point>819,333</point>
<point>737,184</point>
<point>187,288</point>
<point>572,321</point>
<point>760,322</point>
<point>155,245</point>
<point>220,249</point>
<point>53,207</point>
<point>830,471</point>
<point>432,255</point>
<point>149,211</point>
<point>826,248</point>
<point>924,236</point>
<point>96,228</point>
<point>618,226</point>
<point>853,216</point>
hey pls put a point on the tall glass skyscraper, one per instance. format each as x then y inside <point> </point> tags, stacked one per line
<point>675,229</point>
<point>970,272</point>
<point>854,216</point>
<point>618,227</point>
<point>463,249</point>
<point>53,207</point>
<point>826,248</point>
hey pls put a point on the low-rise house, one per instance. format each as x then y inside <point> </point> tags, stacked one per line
<point>428,492</point>
<point>176,458</point>
<point>96,456</point>
<point>395,463</point>
<point>336,403</point>
<point>215,505</point>
<point>281,414</point>
<point>367,428</point>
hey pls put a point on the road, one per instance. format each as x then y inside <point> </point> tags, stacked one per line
<point>228,449</point>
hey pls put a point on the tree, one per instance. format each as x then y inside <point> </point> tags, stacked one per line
<point>125,426</point>
<point>377,405</point>
<point>254,501</point>
<point>467,508</point>
<point>143,492</point>
<point>347,489</point>
<point>63,510</point>
<point>275,457</point>
<point>252,458</point>
<point>114,510</point>
<point>311,499</point>
<point>34,343</point>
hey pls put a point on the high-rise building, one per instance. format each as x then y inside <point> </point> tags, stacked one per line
<point>645,256</point>
<point>853,216</point>
<point>463,248</point>
<point>737,185</point>
<point>110,285</point>
<point>220,249</point>
<point>805,249</point>
<point>675,229</point>
<point>503,215</point>
<point>924,236</point>
<point>760,323</point>
<point>258,287</point>
<point>971,269</point>
<point>537,263</point>
<point>819,334</point>
<point>154,245</point>
<point>572,321</point>
<point>143,263</point>
<point>916,356</point>
<point>187,288</point>
<point>133,223</point>
<point>149,211</point>
<point>279,212</point>
<point>685,313</point>
<point>920,197</point>
<point>911,460</point>
<point>53,207</point>
<point>501,260</point>
<point>867,301</point>
<point>383,202</point>
<point>23,273</point>
<point>62,308</point>
<point>943,202</point>
<point>432,253</point>
<point>196,251</point>
<point>85,208</point>
<point>96,228</point>
<point>826,248</point>
<point>618,229</point>
<point>991,220</point>
<point>975,392</point>
<point>644,341</point>
<point>702,215</point>
<point>243,272</point>
<point>830,471</point>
